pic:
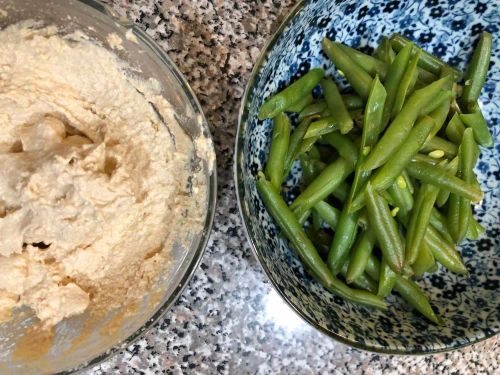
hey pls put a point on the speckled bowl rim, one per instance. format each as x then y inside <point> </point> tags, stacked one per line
<point>238,179</point>
<point>211,196</point>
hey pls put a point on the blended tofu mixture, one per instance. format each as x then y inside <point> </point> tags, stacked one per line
<point>95,177</point>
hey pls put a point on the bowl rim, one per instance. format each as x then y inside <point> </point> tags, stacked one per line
<point>193,264</point>
<point>237,175</point>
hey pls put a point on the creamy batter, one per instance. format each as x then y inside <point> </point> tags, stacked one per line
<point>95,183</point>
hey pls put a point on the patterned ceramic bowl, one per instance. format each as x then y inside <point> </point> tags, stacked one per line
<point>446,28</point>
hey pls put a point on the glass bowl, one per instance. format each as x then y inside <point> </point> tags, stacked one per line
<point>68,354</point>
<point>468,305</point>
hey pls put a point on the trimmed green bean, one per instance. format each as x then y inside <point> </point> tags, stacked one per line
<point>357,77</point>
<point>294,144</point>
<point>393,79</point>
<point>384,51</point>
<point>328,213</point>
<point>336,106</point>
<point>370,64</point>
<point>442,97</point>
<point>312,109</point>
<point>443,195</point>
<point>424,261</point>
<point>345,147</point>
<point>387,174</point>
<point>275,165</point>
<point>385,228</point>
<point>444,252</point>
<point>478,69</point>
<point>408,289</point>
<point>291,94</point>
<point>322,186</point>
<point>345,234</point>
<point>362,282</point>
<point>399,129</point>
<point>387,279</point>
<point>438,143</point>
<point>438,176</point>
<point>360,254</point>
<point>301,104</point>
<point>352,101</point>
<point>427,61</point>
<point>455,129</point>
<point>321,127</point>
<point>419,221</point>
<point>402,197</point>
<point>439,222</point>
<point>405,85</point>
<point>476,121</point>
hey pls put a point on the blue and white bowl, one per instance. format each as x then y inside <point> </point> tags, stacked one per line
<point>448,29</point>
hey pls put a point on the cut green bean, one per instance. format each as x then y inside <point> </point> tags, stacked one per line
<point>357,77</point>
<point>424,261</point>
<point>405,85</point>
<point>476,121</point>
<point>353,101</point>
<point>399,129</point>
<point>345,147</point>
<point>384,51</point>
<point>328,213</point>
<point>336,106</point>
<point>294,144</point>
<point>360,254</point>
<point>385,228</point>
<point>345,234</point>
<point>478,69</point>
<point>438,143</point>
<point>321,127</point>
<point>426,61</point>
<point>292,94</point>
<point>444,252</point>
<point>455,129</point>
<point>370,64</point>
<point>439,177</point>
<point>301,104</point>
<point>387,279</point>
<point>275,166</point>
<point>443,195</point>
<point>312,109</point>
<point>362,282</point>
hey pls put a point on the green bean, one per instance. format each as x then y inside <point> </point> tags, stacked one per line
<point>438,143</point>
<point>439,222</point>
<point>322,186</point>
<point>475,229</point>
<point>360,254</point>
<point>405,84</point>
<point>293,231</point>
<point>393,79</point>
<point>439,115</point>
<point>352,101</point>
<point>408,181</point>
<point>357,77</point>
<point>370,64</point>
<point>356,295</point>
<point>294,144</point>
<point>443,96</point>
<point>387,279</point>
<point>478,69</point>
<point>455,129</point>
<point>291,95</point>
<point>476,121</point>
<point>312,109</point>
<point>321,127</point>
<point>427,61</point>
<point>385,228</point>
<point>426,159</point>
<point>301,104</point>
<point>419,221</point>
<point>402,197</point>
<point>345,147</point>
<point>408,289</point>
<point>436,175</point>
<point>443,195</point>
<point>307,167</point>
<point>424,261</point>
<point>362,282</point>
<point>388,173</point>
<point>314,153</point>
<point>336,105</point>
<point>399,129</point>
<point>345,234</point>
<point>317,222</point>
<point>468,158</point>
<point>279,146</point>
<point>444,252</point>
<point>384,51</point>
<point>342,191</point>
<point>306,145</point>
<point>328,213</point>
<point>372,126</point>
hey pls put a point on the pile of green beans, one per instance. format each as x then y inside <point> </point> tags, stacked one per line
<point>388,168</point>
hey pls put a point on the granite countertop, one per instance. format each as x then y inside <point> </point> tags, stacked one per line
<point>229,320</point>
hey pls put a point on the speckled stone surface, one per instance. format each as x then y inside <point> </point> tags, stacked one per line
<point>229,320</point>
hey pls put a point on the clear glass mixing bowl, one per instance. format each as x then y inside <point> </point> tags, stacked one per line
<point>65,354</point>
